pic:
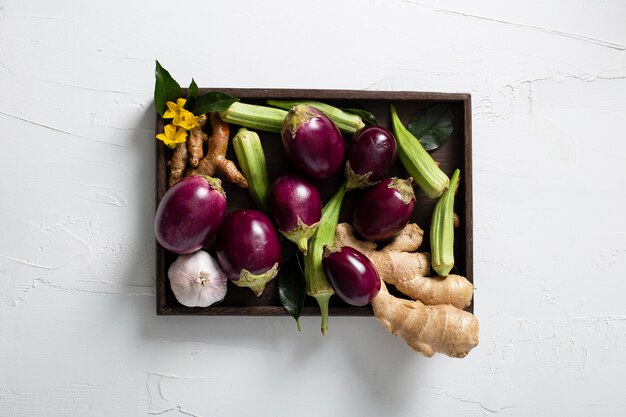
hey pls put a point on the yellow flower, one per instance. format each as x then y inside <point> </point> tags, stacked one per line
<point>187,120</point>
<point>174,109</point>
<point>182,118</point>
<point>172,135</point>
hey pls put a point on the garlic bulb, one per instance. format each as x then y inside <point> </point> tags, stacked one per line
<point>197,280</point>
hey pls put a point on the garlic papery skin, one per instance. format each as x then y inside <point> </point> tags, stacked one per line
<point>197,280</point>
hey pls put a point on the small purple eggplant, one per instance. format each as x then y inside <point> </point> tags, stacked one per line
<point>248,249</point>
<point>370,155</point>
<point>383,210</point>
<point>296,208</point>
<point>190,214</point>
<point>312,142</point>
<point>352,275</point>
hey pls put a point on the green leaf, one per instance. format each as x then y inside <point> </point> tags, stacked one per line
<point>213,101</point>
<point>366,116</point>
<point>432,126</point>
<point>192,94</point>
<point>292,287</point>
<point>165,89</point>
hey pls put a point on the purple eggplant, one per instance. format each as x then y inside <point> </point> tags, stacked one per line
<point>248,249</point>
<point>370,155</point>
<point>383,210</point>
<point>296,208</point>
<point>190,214</point>
<point>312,142</point>
<point>352,275</point>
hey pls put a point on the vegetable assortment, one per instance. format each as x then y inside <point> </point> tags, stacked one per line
<point>191,219</point>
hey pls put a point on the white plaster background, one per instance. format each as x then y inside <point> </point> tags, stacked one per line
<point>78,330</point>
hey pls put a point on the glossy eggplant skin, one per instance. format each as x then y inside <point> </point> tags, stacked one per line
<point>312,142</point>
<point>383,210</point>
<point>371,153</point>
<point>292,197</point>
<point>247,240</point>
<point>190,214</point>
<point>352,275</point>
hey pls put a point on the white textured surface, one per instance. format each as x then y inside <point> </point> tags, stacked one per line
<point>78,331</point>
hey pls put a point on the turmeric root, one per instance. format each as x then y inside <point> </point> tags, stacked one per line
<point>215,159</point>
<point>427,329</point>
<point>178,163</point>
<point>408,271</point>
<point>195,142</point>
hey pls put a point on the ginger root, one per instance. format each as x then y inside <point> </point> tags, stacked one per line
<point>408,271</point>
<point>454,289</point>
<point>215,159</point>
<point>427,329</point>
<point>178,163</point>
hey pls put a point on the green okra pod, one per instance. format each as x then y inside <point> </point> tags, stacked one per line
<point>442,230</point>
<point>251,159</point>
<point>317,285</point>
<point>267,119</point>
<point>420,165</point>
<point>346,122</point>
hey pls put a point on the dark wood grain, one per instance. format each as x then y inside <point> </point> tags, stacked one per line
<point>456,152</point>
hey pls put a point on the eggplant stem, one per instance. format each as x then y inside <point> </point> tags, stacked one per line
<point>303,244</point>
<point>301,234</point>
<point>256,282</point>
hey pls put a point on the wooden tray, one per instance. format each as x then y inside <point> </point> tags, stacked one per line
<point>456,152</point>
